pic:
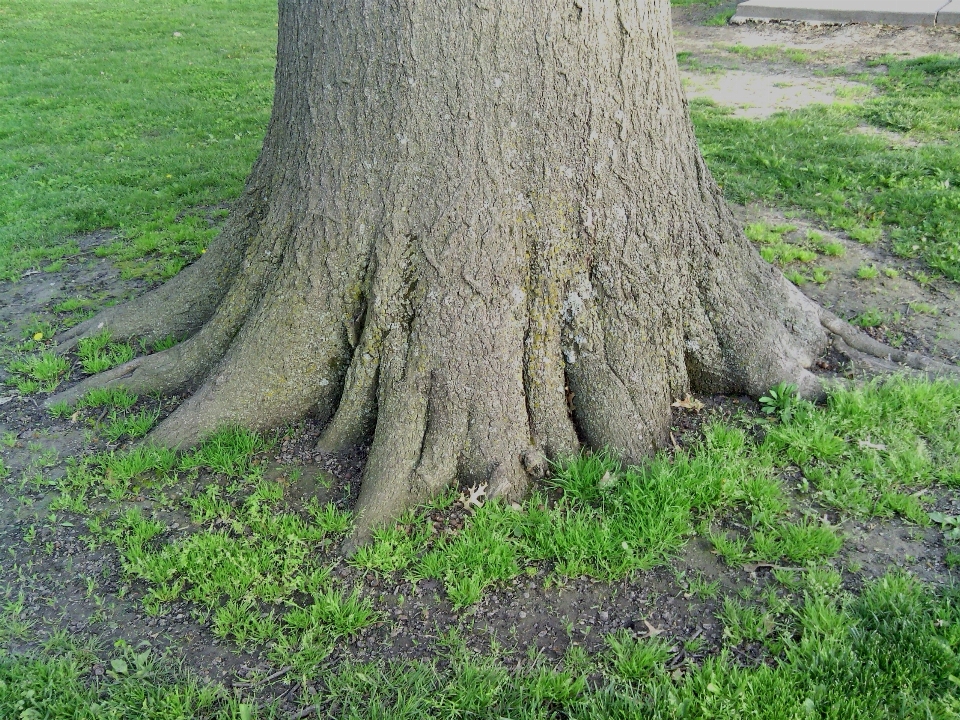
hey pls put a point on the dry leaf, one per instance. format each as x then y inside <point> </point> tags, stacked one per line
<point>474,500</point>
<point>651,630</point>
<point>871,445</point>
<point>688,403</point>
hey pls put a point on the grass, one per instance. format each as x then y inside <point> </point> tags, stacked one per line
<point>159,117</point>
<point>891,652</point>
<point>55,682</point>
<point>261,570</point>
<point>874,447</point>
<point>97,353</point>
<point>768,52</point>
<point>38,373</point>
<point>813,159</point>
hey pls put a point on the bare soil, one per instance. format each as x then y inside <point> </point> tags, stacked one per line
<point>46,560</point>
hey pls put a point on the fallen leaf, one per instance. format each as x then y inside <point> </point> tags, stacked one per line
<point>688,403</point>
<point>871,445</point>
<point>651,630</point>
<point>5,400</point>
<point>753,567</point>
<point>474,500</point>
<point>606,481</point>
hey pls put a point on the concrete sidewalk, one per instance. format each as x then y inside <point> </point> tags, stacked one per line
<point>885,12</point>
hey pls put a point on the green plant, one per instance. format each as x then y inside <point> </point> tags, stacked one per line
<point>744,622</point>
<point>60,410</point>
<point>721,18</point>
<point>636,659</point>
<point>43,372</point>
<point>871,317</point>
<point>867,272</point>
<point>949,524</point>
<point>865,235</point>
<point>134,426</point>
<point>97,353</point>
<point>797,278</point>
<point>115,397</point>
<point>924,308</point>
<point>780,399</point>
<point>891,273</point>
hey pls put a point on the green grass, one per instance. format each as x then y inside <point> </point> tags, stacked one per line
<point>873,447</point>
<point>892,652</point>
<point>38,373</point>
<point>768,52</point>
<point>57,682</point>
<point>97,353</point>
<point>721,18</point>
<point>110,120</point>
<point>815,160</point>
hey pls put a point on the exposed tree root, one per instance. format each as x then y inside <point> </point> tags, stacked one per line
<point>179,307</point>
<point>859,346</point>
<point>475,251</point>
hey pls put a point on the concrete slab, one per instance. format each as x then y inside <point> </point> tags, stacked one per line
<point>886,12</point>
<point>950,15</point>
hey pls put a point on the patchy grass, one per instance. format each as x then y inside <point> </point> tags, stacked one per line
<point>768,52</point>
<point>815,159</point>
<point>873,447</point>
<point>263,572</point>
<point>38,373</point>
<point>97,353</point>
<point>164,113</point>
<point>892,652</point>
<point>58,681</point>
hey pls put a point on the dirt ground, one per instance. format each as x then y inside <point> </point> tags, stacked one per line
<point>66,585</point>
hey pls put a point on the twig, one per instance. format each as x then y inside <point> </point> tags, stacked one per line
<point>309,710</point>
<point>279,673</point>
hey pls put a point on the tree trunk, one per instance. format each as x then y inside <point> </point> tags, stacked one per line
<point>480,233</point>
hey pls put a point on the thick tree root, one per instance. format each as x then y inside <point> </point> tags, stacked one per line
<point>861,347</point>
<point>475,251</point>
<point>176,309</point>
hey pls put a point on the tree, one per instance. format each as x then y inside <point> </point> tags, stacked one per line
<point>479,233</point>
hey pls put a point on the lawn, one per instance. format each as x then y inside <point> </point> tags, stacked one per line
<point>138,117</point>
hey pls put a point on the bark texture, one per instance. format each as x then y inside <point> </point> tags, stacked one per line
<point>480,233</point>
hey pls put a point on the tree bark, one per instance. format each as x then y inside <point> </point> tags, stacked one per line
<point>479,233</point>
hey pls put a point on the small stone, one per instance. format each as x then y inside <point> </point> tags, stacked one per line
<point>603,615</point>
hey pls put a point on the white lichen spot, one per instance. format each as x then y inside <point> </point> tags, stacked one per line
<point>402,139</point>
<point>566,172</point>
<point>497,82</point>
<point>324,382</point>
<point>517,294</point>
